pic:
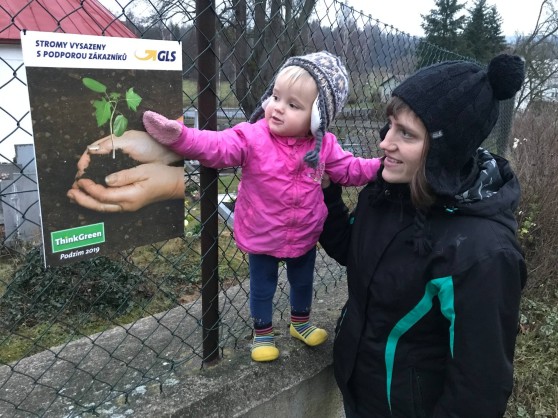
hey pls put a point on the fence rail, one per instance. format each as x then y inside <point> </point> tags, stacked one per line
<point>150,309</point>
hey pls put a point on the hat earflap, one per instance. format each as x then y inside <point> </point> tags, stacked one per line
<point>315,118</point>
<point>312,158</point>
<point>260,110</point>
<point>266,102</point>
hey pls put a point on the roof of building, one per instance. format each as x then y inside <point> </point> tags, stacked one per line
<point>85,17</point>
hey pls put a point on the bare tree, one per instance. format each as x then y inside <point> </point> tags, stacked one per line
<point>277,25</point>
<point>254,37</point>
<point>540,49</point>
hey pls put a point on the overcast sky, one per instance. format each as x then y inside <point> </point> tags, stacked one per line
<point>518,16</point>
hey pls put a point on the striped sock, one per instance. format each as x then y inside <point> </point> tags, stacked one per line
<point>302,324</point>
<point>263,337</point>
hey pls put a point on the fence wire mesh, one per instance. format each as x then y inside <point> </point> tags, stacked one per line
<point>76,336</point>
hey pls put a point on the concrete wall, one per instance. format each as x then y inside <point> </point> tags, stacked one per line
<point>298,384</point>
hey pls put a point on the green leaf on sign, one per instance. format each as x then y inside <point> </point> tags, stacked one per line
<point>132,99</point>
<point>94,85</point>
<point>106,107</point>
<point>120,125</point>
<point>102,111</point>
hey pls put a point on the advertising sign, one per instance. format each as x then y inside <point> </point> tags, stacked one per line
<point>84,90</point>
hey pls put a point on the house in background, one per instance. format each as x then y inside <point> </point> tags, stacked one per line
<point>85,17</point>
<point>19,213</point>
<point>386,86</point>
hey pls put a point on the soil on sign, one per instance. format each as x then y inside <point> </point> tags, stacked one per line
<point>101,166</point>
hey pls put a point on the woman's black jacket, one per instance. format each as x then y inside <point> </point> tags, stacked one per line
<point>431,335</point>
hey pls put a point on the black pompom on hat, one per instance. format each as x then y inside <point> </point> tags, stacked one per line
<point>332,80</point>
<point>458,102</point>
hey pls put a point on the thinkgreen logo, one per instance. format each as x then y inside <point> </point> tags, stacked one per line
<point>82,236</point>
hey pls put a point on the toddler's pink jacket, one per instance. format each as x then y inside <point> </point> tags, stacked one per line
<point>280,208</point>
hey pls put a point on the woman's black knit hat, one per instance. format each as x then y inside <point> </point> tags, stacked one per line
<point>458,102</point>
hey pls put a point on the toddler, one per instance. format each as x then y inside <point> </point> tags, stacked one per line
<point>284,151</point>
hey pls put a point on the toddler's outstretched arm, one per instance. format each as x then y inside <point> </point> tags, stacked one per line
<point>215,149</point>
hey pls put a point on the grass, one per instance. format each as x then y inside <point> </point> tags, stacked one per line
<point>226,96</point>
<point>8,266</point>
<point>228,184</point>
<point>29,340</point>
<point>533,157</point>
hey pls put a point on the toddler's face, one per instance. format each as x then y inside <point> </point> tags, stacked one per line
<point>290,107</point>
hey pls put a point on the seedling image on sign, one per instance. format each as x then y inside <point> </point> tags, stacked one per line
<point>106,108</point>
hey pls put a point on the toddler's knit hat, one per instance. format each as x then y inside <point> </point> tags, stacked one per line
<point>458,102</point>
<point>333,87</point>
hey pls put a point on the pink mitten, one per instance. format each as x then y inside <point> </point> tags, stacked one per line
<point>165,131</point>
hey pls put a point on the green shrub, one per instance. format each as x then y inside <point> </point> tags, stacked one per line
<point>37,294</point>
<point>533,156</point>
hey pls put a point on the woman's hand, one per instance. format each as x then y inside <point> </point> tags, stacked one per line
<point>131,189</point>
<point>326,181</point>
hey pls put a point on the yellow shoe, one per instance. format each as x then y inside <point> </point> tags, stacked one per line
<point>315,337</point>
<point>265,353</point>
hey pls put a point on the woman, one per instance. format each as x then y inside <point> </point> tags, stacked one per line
<point>434,269</point>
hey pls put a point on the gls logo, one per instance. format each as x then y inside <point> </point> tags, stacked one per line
<point>153,55</point>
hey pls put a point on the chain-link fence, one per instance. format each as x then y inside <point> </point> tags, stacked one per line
<point>149,309</point>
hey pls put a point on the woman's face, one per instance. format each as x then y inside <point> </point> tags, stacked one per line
<point>403,147</point>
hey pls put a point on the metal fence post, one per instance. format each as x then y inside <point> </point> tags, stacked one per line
<point>207,106</point>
